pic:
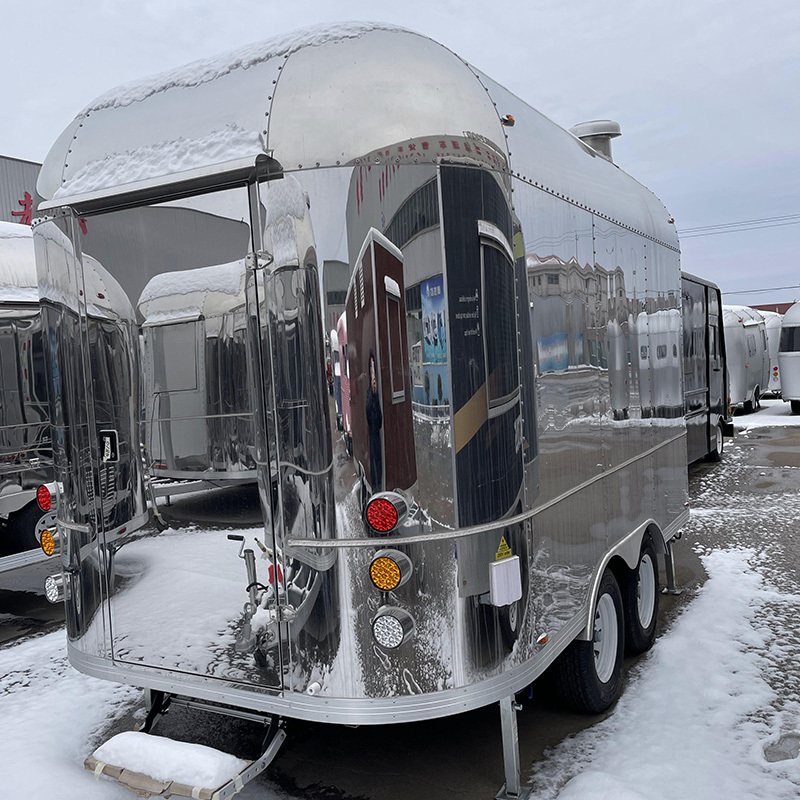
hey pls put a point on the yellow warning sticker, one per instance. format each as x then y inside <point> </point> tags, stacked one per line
<point>503,551</point>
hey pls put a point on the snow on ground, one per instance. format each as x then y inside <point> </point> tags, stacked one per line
<point>690,723</point>
<point>772,414</point>
<point>52,718</point>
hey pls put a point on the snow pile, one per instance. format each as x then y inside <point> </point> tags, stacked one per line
<point>224,278</point>
<point>695,720</point>
<point>210,69</point>
<point>52,718</point>
<point>168,760</point>
<point>164,158</point>
<point>772,414</point>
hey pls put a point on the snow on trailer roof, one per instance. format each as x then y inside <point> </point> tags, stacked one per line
<point>328,96</point>
<point>18,280</point>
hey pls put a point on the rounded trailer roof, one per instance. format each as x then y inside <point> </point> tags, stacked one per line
<point>340,95</point>
<point>734,315</point>
<point>792,316</point>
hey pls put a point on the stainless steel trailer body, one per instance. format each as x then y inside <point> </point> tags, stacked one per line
<point>747,356</point>
<point>772,324</point>
<point>487,293</point>
<point>704,373</point>
<point>25,448</point>
<point>789,357</point>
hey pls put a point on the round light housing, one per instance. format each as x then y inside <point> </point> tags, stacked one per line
<point>391,627</point>
<point>54,588</point>
<point>381,515</point>
<point>48,542</point>
<point>44,498</point>
<point>390,569</point>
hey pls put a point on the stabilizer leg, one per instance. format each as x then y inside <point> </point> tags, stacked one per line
<point>669,565</point>
<point>513,790</point>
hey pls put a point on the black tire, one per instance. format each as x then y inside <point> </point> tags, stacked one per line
<point>757,397</point>
<point>577,677</point>
<point>749,406</point>
<point>22,527</point>
<point>715,454</point>
<point>639,637</point>
<point>795,404</point>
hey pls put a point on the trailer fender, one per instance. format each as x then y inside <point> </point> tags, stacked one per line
<point>625,554</point>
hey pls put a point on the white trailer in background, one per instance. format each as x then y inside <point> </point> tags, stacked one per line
<point>789,357</point>
<point>773,321</point>
<point>747,356</point>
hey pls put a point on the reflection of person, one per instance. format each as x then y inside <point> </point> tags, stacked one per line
<point>374,425</point>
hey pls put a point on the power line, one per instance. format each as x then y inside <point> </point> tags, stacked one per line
<point>742,222</point>
<point>739,230</point>
<point>759,291</point>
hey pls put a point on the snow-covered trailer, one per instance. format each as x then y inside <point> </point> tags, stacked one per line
<point>25,447</point>
<point>532,529</point>
<point>747,356</point>
<point>772,323</point>
<point>789,357</point>
<point>198,411</point>
<point>704,374</point>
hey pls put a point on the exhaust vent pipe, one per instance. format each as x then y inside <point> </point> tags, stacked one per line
<point>598,134</point>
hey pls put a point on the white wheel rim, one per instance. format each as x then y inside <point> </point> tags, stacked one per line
<point>645,591</point>
<point>719,439</point>
<point>512,616</point>
<point>605,638</point>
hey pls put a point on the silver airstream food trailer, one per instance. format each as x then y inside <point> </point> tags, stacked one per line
<point>25,448</point>
<point>772,324</point>
<point>495,512</point>
<point>747,356</point>
<point>789,357</point>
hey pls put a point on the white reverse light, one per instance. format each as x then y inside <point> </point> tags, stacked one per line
<point>54,588</point>
<point>392,627</point>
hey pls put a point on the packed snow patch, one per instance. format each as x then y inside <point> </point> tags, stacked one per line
<point>694,720</point>
<point>168,760</point>
<point>772,414</point>
<point>163,158</point>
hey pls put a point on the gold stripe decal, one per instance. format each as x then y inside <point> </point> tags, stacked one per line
<point>470,417</point>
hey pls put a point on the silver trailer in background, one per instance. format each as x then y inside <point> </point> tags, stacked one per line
<point>704,374</point>
<point>789,357</point>
<point>25,447</point>
<point>773,322</point>
<point>508,489</point>
<point>747,356</point>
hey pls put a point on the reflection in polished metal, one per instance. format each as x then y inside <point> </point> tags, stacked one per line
<point>25,447</point>
<point>505,369</point>
<point>747,356</point>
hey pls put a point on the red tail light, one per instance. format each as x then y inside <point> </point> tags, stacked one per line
<point>381,515</point>
<point>44,498</point>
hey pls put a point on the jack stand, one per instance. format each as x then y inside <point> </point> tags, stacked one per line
<point>512,790</point>
<point>669,567</point>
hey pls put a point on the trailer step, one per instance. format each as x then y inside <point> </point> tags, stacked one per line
<point>139,754</point>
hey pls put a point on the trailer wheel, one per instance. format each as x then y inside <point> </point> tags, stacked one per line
<point>22,527</point>
<point>795,406</point>
<point>589,674</point>
<point>640,594</point>
<point>719,442</point>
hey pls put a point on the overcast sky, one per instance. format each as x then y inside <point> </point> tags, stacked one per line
<point>707,91</point>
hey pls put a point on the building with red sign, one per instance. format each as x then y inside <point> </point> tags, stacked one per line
<point>18,197</point>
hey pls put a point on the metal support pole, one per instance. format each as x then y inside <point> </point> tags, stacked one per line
<point>669,566</point>
<point>512,790</point>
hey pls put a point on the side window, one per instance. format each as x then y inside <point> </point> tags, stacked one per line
<point>643,352</point>
<point>661,351</point>
<point>502,352</point>
<point>751,345</point>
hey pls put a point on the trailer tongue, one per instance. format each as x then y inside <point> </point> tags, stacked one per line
<point>154,766</point>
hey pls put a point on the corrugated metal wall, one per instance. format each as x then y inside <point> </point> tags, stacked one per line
<point>16,178</point>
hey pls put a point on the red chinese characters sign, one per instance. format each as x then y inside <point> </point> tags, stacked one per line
<point>27,209</point>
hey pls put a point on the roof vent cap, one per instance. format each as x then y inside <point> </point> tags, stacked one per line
<point>597,133</point>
